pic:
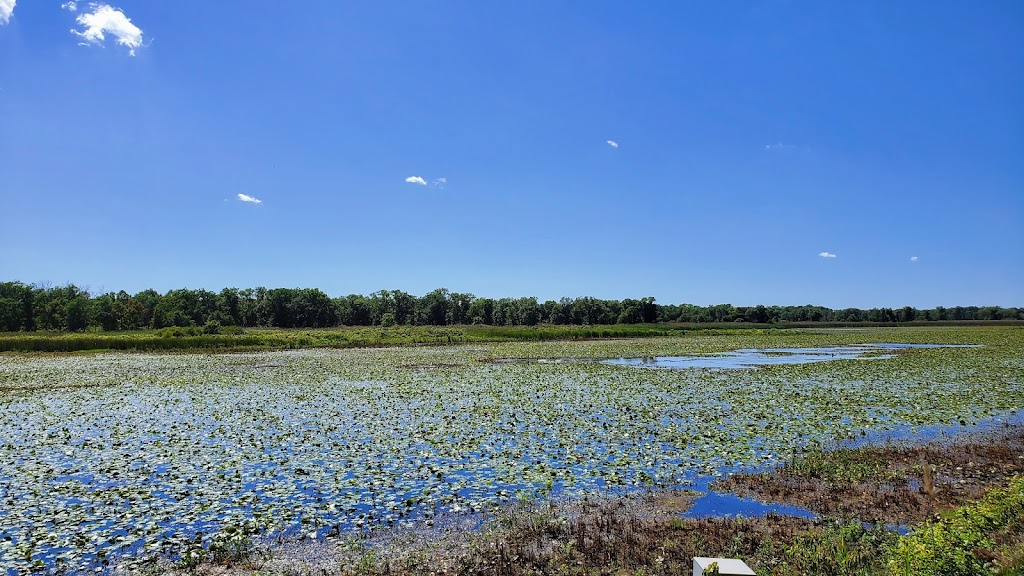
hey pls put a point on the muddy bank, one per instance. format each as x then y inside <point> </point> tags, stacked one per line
<point>628,535</point>
<point>897,484</point>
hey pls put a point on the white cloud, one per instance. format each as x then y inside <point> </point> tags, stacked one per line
<point>71,6</point>
<point>247,198</point>
<point>416,180</point>
<point>612,143</point>
<point>779,146</point>
<point>440,182</point>
<point>6,9</point>
<point>827,255</point>
<point>104,19</point>
<point>913,258</point>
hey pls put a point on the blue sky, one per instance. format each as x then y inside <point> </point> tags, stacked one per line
<point>753,137</point>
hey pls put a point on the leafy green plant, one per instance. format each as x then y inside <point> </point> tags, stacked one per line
<point>962,542</point>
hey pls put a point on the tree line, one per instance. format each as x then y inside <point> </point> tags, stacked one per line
<point>26,307</point>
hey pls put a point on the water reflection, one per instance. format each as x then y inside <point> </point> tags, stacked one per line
<point>752,357</point>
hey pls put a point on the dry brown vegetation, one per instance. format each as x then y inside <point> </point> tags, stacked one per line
<point>640,534</point>
<point>891,484</point>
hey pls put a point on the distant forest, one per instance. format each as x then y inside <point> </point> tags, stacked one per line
<point>25,307</point>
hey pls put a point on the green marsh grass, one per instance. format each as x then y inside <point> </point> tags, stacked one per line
<point>178,339</point>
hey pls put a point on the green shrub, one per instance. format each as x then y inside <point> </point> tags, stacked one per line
<point>961,542</point>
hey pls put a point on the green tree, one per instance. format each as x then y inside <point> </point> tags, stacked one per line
<point>357,310</point>
<point>526,311</point>
<point>381,303</point>
<point>16,302</point>
<point>148,299</point>
<point>312,308</point>
<point>631,312</point>
<point>404,307</point>
<point>104,312</point>
<point>130,314</point>
<point>648,310</point>
<point>229,307</point>
<point>434,307</point>
<point>77,313</point>
<point>458,309</point>
<point>906,314</point>
<point>481,311</point>
<point>184,307</point>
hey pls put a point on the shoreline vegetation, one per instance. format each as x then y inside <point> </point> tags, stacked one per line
<point>961,497</point>
<point>234,338</point>
<point>71,319</point>
<point>31,308</point>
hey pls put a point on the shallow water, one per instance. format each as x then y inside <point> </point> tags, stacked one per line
<point>724,505</point>
<point>937,432</point>
<point>713,504</point>
<point>752,358</point>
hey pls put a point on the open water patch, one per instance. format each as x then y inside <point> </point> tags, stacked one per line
<point>747,358</point>
<point>725,505</point>
<point>714,504</point>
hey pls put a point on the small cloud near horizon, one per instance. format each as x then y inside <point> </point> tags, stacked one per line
<point>109,20</point>
<point>440,182</point>
<point>913,258</point>
<point>827,255</point>
<point>612,143</point>
<point>247,198</point>
<point>779,146</point>
<point>416,180</point>
<point>6,9</point>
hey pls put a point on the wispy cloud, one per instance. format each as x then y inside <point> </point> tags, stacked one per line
<point>612,143</point>
<point>6,9</point>
<point>779,146</point>
<point>247,198</point>
<point>913,258</point>
<point>827,255</point>
<point>71,6</point>
<point>107,20</point>
<point>416,180</point>
<point>440,182</point>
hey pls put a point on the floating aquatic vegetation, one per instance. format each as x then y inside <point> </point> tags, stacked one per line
<point>139,454</point>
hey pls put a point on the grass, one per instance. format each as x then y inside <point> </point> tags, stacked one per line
<point>233,338</point>
<point>185,339</point>
<point>842,466</point>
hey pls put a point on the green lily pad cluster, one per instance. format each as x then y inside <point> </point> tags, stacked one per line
<point>113,456</point>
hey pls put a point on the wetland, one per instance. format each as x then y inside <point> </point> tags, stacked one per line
<point>129,459</point>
